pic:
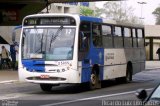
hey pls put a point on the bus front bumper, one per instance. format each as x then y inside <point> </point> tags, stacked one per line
<point>49,78</point>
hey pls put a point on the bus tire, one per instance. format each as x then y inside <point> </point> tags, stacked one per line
<point>129,72</point>
<point>95,83</point>
<point>46,87</point>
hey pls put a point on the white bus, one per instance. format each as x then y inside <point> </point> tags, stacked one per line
<point>68,49</point>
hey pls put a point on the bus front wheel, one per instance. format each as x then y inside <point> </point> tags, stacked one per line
<point>46,87</point>
<point>94,80</point>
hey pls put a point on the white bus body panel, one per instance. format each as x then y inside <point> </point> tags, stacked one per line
<point>114,63</point>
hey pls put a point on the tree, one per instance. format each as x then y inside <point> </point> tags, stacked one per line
<point>156,13</point>
<point>98,12</point>
<point>119,12</point>
<point>86,11</point>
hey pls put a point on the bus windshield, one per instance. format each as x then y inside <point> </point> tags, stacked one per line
<point>48,43</point>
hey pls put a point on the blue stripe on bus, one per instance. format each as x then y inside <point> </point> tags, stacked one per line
<point>90,19</point>
<point>97,57</point>
<point>36,65</point>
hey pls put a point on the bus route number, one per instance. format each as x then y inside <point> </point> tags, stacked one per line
<point>63,63</point>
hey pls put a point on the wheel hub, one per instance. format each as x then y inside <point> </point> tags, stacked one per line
<point>93,79</point>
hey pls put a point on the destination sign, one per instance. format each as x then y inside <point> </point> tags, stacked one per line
<point>50,21</point>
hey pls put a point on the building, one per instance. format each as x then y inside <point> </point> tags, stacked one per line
<point>152,33</point>
<point>73,7</point>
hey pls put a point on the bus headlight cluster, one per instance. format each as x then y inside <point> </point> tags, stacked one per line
<point>61,70</point>
<point>58,70</point>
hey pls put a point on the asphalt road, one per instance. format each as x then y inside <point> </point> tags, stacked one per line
<point>27,94</point>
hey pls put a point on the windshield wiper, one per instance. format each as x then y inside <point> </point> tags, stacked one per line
<point>54,36</point>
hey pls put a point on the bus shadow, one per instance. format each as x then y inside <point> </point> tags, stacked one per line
<point>112,83</point>
<point>69,89</point>
<point>80,88</point>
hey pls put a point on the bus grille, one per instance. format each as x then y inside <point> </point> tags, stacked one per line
<point>47,79</point>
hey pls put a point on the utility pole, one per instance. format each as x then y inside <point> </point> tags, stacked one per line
<point>142,3</point>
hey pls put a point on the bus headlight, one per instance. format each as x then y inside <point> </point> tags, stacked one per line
<point>58,70</point>
<point>68,68</point>
<point>63,70</point>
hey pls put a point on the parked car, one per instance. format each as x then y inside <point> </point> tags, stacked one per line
<point>149,100</point>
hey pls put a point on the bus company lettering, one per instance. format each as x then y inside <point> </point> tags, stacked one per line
<point>109,56</point>
<point>63,63</point>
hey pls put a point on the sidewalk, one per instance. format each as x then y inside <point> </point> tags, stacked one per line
<point>9,76</point>
<point>152,65</point>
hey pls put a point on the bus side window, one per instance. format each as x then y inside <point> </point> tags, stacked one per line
<point>134,37</point>
<point>127,37</point>
<point>140,38</point>
<point>118,39</point>
<point>83,40</point>
<point>96,35</point>
<point>107,36</point>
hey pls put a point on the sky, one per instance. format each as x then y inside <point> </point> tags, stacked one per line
<point>147,9</point>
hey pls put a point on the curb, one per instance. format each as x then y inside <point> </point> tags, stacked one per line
<point>152,68</point>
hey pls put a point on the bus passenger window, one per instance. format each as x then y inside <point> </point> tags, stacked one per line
<point>118,31</point>
<point>127,32</point>
<point>97,41</point>
<point>106,30</point>
<point>107,36</point>
<point>140,38</point>
<point>118,40</point>
<point>127,37</point>
<point>134,37</point>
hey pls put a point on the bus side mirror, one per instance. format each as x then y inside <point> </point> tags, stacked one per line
<point>141,94</point>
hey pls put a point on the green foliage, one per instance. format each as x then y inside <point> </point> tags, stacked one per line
<point>117,11</point>
<point>156,13</point>
<point>86,11</point>
<point>98,12</point>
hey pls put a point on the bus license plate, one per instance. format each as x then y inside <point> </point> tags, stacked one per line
<point>44,76</point>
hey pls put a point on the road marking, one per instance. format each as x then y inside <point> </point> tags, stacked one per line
<point>8,81</point>
<point>13,96</point>
<point>91,98</point>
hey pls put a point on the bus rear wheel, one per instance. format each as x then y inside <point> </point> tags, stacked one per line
<point>129,73</point>
<point>46,87</point>
<point>128,76</point>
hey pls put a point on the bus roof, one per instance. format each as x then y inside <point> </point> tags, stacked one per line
<point>91,19</point>
<point>88,18</point>
<point>125,24</point>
